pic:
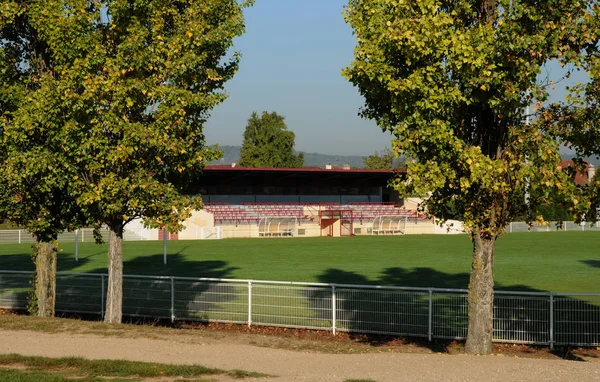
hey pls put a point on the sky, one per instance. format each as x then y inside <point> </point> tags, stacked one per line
<point>293,52</point>
<point>292,56</point>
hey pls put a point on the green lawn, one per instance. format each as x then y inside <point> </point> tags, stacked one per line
<point>559,261</point>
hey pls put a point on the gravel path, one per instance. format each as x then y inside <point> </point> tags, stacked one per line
<point>300,366</point>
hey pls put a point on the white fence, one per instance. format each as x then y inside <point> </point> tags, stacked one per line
<point>519,317</point>
<point>553,227</point>
<point>22,236</point>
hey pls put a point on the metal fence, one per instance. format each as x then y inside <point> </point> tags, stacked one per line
<point>22,236</point>
<point>519,317</point>
<point>553,227</point>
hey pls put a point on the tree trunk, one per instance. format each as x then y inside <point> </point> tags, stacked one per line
<point>45,278</point>
<point>481,296</point>
<point>114,293</point>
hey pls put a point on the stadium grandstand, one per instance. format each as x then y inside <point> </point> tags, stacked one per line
<point>291,202</point>
<point>311,201</point>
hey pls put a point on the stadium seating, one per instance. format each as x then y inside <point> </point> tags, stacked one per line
<point>232,214</point>
<point>278,210</point>
<point>251,213</point>
<point>368,211</point>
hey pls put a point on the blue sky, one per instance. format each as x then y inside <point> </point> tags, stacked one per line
<point>292,55</point>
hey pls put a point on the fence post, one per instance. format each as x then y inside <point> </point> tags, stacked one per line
<point>249,303</point>
<point>102,297</point>
<point>164,246</point>
<point>19,236</point>
<point>430,318</point>
<point>76,245</point>
<point>172,299</point>
<point>333,310</point>
<point>510,227</point>
<point>551,321</point>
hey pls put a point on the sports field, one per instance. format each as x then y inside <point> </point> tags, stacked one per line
<point>560,261</point>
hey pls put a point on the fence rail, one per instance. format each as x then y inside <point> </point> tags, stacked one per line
<point>553,226</point>
<point>22,236</point>
<point>544,318</point>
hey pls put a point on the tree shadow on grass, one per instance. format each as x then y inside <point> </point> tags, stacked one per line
<point>162,296</point>
<point>406,313</point>
<point>16,289</point>
<point>591,263</point>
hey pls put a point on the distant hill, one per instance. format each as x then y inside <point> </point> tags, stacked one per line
<point>232,154</point>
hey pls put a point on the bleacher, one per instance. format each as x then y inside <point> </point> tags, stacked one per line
<point>233,214</point>
<point>295,210</point>
<point>252,213</point>
<point>364,211</point>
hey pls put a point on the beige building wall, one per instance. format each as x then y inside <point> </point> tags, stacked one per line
<point>194,223</point>
<point>199,219</point>
<point>412,204</point>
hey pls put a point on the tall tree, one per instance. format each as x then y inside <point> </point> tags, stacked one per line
<point>580,119</point>
<point>142,96</point>
<point>136,81</point>
<point>268,143</point>
<point>385,160</point>
<point>452,81</point>
<point>35,174</point>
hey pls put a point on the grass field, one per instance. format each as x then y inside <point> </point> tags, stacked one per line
<point>561,261</point>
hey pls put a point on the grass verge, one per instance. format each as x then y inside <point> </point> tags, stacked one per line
<point>65,369</point>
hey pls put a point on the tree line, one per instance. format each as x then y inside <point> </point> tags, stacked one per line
<point>103,105</point>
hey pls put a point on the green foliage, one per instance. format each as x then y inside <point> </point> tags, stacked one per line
<point>386,160</point>
<point>35,171</point>
<point>111,105</point>
<point>103,104</point>
<point>148,78</point>
<point>268,143</point>
<point>452,81</point>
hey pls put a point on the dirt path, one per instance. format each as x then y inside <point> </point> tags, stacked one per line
<point>299,366</point>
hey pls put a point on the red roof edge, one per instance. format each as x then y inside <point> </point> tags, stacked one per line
<point>301,169</point>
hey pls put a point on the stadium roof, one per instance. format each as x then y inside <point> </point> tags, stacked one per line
<point>298,170</point>
<point>219,174</point>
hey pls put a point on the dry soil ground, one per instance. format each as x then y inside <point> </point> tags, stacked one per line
<point>263,353</point>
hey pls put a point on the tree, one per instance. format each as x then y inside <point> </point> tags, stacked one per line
<point>386,160</point>
<point>137,81</point>
<point>156,71</point>
<point>268,143</point>
<point>35,174</point>
<point>580,119</point>
<point>452,81</point>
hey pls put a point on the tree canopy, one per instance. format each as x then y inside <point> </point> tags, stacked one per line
<point>452,80</point>
<point>135,82</point>
<point>268,143</point>
<point>35,175</point>
<point>384,160</point>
